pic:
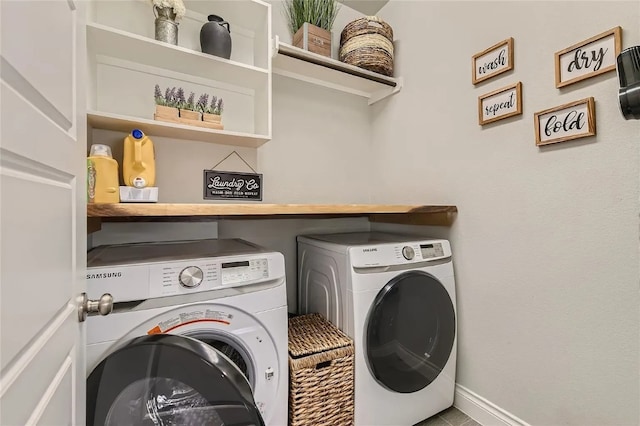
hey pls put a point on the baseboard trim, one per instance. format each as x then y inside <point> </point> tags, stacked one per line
<point>484,412</point>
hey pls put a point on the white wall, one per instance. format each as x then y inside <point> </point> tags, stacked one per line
<point>321,146</point>
<point>546,239</point>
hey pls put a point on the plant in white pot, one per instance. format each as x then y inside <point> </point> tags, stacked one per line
<point>310,23</point>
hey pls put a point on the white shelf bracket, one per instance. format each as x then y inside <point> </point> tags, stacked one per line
<point>385,93</point>
<point>275,42</point>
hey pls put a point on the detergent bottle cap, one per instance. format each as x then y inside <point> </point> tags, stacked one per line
<point>99,150</point>
<point>137,133</point>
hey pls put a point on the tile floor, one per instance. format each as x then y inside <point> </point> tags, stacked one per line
<point>449,417</point>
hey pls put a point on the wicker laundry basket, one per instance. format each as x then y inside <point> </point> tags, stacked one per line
<point>368,43</point>
<point>320,373</point>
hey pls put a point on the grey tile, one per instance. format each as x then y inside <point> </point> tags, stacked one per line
<point>471,422</point>
<point>454,416</point>
<point>434,421</point>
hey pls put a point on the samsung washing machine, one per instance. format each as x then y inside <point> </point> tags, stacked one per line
<point>198,335</point>
<point>394,295</point>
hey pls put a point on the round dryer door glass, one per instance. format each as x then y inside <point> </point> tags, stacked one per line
<point>169,380</point>
<point>410,332</point>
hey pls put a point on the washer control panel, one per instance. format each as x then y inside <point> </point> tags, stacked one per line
<point>246,270</point>
<point>175,275</point>
<point>191,276</point>
<point>182,277</point>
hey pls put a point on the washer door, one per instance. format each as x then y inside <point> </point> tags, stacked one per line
<point>169,380</point>
<point>410,332</point>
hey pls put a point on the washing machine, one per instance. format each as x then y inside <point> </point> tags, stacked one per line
<point>394,295</point>
<point>198,335</point>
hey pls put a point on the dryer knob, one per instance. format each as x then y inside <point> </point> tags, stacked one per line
<point>191,277</point>
<point>408,252</point>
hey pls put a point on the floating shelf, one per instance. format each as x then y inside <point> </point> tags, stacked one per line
<point>107,41</point>
<point>300,64</point>
<point>392,213</point>
<point>121,123</point>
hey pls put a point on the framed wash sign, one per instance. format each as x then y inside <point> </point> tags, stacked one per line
<point>220,185</point>
<point>588,58</point>
<point>500,104</point>
<point>566,122</point>
<point>492,61</point>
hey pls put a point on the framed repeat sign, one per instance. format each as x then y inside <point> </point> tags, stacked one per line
<point>588,58</point>
<point>566,122</point>
<point>500,104</point>
<point>492,61</point>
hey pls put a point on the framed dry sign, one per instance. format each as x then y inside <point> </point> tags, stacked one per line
<point>588,58</point>
<point>220,185</point>
<point>500,104</point>
<point>492,61</point>
<point>566,122</point>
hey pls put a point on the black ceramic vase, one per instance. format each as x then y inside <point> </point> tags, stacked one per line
<point>215,37</point>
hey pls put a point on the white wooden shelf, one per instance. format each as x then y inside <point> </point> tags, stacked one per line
<point>107,41</point>
<point>303,65</point>
<point>121,123</point>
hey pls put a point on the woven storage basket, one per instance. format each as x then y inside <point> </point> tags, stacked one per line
<point>320,373</point>
<point>368,43</point>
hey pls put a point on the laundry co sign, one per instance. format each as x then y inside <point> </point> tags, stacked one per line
<point>219,185</point>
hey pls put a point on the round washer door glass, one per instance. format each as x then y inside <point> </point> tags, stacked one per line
<point>410,332</point>
<point>169,380</point>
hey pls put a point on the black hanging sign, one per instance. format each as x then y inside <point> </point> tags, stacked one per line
<point>219,185</point>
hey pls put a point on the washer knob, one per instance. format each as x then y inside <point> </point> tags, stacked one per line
<point>191,277</point>
<point>408,252</point>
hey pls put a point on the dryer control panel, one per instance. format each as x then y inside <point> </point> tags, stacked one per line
<point>378,255</point>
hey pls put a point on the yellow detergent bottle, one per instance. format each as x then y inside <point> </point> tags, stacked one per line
<point>102,175</point>
<point>139,160</point>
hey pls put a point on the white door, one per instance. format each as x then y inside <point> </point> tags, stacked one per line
<point>42,211</point>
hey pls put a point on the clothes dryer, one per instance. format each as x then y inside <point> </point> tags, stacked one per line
<point>198,335</point>
<point>394,295</point>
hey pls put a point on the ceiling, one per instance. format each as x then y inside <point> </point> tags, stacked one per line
<point>366,7</point>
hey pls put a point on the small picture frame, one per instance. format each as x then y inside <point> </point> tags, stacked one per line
<point>588,58</point>
<point>500,104</point>
<point>566,122</point>
<point>492,61</point>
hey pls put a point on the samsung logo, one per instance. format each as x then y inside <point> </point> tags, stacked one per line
<point>104,275</point>
<point>367,250</point>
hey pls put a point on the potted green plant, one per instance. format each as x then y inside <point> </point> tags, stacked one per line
<point>213,113</point>
<point>165,104</point>
<point>188,108</point>
<point>310,23</point>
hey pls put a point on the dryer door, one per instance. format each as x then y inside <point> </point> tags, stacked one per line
<point>169,380</point>
<point>410,332</point>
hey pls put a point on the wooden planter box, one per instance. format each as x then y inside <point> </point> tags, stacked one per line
<point>314,39</point>
<point>190,118</point>
<point>211,118</point>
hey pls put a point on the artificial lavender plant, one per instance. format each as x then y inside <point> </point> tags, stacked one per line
<point>203,100</point>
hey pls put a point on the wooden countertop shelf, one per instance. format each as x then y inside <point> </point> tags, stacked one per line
<point>391,213</point>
